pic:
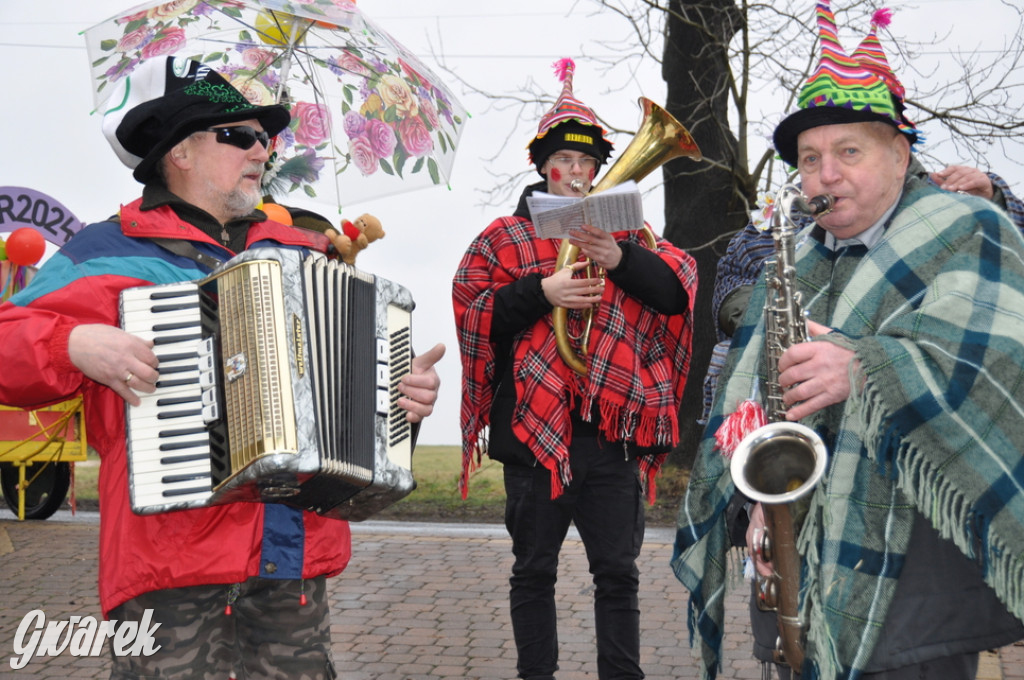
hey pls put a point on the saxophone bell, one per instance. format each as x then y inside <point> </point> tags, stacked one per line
<point>779,463</point>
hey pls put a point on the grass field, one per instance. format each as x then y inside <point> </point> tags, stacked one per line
<point>436,469</point>
<point>437,498</point>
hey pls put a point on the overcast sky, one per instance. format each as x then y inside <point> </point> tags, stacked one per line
<point>52,143</point>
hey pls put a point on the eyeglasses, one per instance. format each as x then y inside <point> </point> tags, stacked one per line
<point>241,136</point>
<point>566,162</point>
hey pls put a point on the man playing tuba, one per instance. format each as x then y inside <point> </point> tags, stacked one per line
<point>576,448</point>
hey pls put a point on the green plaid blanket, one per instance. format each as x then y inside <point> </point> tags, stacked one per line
<point>935,314</point>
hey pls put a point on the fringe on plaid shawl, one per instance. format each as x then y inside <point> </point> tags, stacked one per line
<point>940,345</point>
<point>636,388</point>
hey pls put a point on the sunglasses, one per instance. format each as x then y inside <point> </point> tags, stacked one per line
<point>241,136</point>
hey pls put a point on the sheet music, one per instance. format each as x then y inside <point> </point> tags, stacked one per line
<point>619,208</point>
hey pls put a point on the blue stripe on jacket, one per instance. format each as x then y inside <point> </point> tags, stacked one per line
<point>102,249</point>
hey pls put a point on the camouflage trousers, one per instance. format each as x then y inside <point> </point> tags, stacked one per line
<point>267,634</point>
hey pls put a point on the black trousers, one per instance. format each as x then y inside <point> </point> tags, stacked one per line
<point>605,502</point>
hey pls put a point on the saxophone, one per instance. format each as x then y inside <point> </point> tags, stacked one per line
<point>780,463</point>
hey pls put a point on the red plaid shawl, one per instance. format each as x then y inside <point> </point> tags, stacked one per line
<point>637,364</point>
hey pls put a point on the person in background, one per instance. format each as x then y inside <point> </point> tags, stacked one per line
<point>577,449</point>
<point>912,544</point>
<point>235,588</point>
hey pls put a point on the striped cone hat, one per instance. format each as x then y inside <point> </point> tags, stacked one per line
<point>842,89</point>
<point>568,124</point>
<point>872,57</point>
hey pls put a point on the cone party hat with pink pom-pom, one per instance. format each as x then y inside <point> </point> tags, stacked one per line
<point>568,124</point>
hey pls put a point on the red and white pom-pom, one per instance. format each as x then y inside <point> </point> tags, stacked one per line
<point>882,18</point>
<point>563,68</point>
<point>747,417</point>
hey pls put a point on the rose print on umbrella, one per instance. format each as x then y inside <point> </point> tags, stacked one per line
<point>369,119</point>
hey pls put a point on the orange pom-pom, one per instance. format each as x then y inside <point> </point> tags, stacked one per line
<point>278,213</point>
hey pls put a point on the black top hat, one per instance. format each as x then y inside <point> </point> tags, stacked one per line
<point>184,97</point>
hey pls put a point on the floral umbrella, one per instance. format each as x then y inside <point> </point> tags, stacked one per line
<point>369,119</point>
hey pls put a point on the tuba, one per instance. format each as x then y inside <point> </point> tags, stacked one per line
<point>659,139</point>
<point>780,463</point>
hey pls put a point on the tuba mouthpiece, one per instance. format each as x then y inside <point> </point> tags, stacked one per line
<point>576,185</point>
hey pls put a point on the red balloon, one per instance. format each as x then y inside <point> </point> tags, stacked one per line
<point>25,246</point>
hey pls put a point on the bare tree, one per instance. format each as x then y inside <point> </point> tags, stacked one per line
<point>973,101</point>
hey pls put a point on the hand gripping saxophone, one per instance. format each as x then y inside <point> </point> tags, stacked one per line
<point>780,463</point>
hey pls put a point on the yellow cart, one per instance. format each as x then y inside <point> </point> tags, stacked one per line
<point>37,448</point>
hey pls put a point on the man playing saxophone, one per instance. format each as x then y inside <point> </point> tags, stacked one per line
<point>913,545</point>
<point>576,448</point>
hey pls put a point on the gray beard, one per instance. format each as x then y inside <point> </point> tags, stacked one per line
<point>238,203</point>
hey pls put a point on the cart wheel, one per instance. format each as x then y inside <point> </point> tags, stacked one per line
<point>44,496</point>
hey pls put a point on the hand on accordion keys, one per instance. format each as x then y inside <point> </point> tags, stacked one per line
<point>420,386</point>
<point>122,361</point>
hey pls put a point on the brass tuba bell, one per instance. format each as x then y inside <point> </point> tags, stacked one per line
<point>659,139</point>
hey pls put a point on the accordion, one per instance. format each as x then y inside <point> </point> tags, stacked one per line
<point>278,383</point>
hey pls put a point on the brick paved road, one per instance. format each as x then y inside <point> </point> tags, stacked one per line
<point>418,602</point>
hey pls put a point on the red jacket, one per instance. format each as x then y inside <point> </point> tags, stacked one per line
<point>140,553</point>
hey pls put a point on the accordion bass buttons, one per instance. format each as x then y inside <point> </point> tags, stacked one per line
<point>383,377</point>
<point>208,380</point>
